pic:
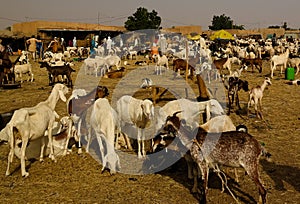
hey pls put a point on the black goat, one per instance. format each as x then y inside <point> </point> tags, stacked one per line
<point>235,85</point>
<point>54,71</point>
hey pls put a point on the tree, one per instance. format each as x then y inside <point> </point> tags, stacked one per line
<point>224,22</point>
<point>142,19</point>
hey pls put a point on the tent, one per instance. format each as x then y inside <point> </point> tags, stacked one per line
<point>222,34</point>
<point>193,37</point>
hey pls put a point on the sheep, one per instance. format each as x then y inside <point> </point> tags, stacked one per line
<point>32,123</point>
<point>160,61</point>
<point>136,112</point>
<point>21,69</point>
<point>102,122</point>
<point>209,150</point>
<point>279,60</point>
<point>255,96</point>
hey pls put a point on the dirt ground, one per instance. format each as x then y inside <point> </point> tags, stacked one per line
<point>77,178</point>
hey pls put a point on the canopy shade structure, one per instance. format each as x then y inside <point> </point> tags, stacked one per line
<point>221,34</point>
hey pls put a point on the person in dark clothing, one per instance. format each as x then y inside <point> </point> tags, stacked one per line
<point>4,62</point>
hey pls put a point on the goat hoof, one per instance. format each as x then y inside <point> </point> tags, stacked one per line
<point>41,160</point>
<point>80,151</point>
<point>26,174</point>
<point>7,173</point>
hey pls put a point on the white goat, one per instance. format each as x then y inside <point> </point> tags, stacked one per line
<point>113,60</point>
<point>32,123</point>
<point>136,112</point>
<point>160,61</point>
<point>255,96</point>
<point>279,60</point>
<point>102,121</point>
<point>190,111</point>
<point>294,62</point>
<point>21,69</point>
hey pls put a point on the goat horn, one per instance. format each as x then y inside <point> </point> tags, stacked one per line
<point>174,114</point>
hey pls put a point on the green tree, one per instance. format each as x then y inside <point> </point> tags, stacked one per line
<point>142,19</point>
<point>224,22</point>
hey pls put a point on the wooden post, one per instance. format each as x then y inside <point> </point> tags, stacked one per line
<point>187,60</point>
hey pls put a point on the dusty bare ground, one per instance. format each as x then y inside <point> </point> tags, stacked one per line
<point>77,179</point>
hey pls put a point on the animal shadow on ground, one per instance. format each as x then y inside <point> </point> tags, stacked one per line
<point>280,173</point>
<point>178,172</point>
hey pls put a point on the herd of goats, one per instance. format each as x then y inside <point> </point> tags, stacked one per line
<point>176,119</point>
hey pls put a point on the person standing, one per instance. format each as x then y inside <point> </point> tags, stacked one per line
<point>4,62</point>
<point>108,44</point>
<point>54,45</point>
<point>39,47</point>
<point>32,46</point>
<point>74,42</point>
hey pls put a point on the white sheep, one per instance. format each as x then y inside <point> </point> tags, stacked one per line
<point>255,97</point>
<point>21,69</point>
<point>136,112</point>
<point>102,122</point>
<point>32,123</point>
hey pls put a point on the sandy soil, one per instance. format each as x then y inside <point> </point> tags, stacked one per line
<point>77,178</point>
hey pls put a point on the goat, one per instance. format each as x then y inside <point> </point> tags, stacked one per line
<point>279,60</point>
<point>190,111</point>
<point>103,123</point>
<point>138,113</point>
<point>255,96</point>
<point>113,60</point>
<point>54,71</point>
<point>238,72</point>
<point>115,73</point>
<point>32,123</point>
<point>21,69</point>
<point>209,150</point>
<point>235,85</point>
<point>160,61</point>
<point>77,105</point>
<point>294,62</point>
<point>223,63</point>
<point>181,64</point>
<point>146,83</point>
<point>257,62</point>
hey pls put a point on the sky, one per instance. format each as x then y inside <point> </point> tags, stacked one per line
<point>252,14</point>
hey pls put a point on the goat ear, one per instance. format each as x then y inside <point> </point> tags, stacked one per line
<point>62,96</point>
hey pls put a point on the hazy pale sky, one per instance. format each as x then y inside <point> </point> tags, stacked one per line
<point>251,14</point>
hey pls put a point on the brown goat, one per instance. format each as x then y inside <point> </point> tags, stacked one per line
<point>257,62</point>
<point>220,64</point>
<point>209,150</point>
<point>180,64</point>
<point>115,73</point>
<point>76,108</point>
